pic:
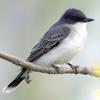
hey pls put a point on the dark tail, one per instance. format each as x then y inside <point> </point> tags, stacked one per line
<point>13,85</point>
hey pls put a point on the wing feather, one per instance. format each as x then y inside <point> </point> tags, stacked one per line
<point>50,40</point>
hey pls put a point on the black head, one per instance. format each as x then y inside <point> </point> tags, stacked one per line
<point>74,15</point>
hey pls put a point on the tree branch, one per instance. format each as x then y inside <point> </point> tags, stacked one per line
<point>50,70</point>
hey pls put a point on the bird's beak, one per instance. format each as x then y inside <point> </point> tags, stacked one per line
<point>88,20</point>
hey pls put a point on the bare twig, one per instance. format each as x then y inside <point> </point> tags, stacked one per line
<point>62,70</point>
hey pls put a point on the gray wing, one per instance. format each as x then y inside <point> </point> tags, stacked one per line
<point>50,40</point>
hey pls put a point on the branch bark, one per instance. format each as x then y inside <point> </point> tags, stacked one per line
<point>50,70</point>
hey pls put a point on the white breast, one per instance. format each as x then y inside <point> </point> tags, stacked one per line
<point>78,35</point>
<point>69,47</point>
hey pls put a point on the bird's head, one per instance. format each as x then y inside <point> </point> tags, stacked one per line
<point>75,15</point>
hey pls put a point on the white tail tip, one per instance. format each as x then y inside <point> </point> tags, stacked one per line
<point>7,89</point>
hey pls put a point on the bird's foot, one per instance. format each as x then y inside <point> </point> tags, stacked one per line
<point>56,68</point>
<point>74,68</point>
<point>27,79</point>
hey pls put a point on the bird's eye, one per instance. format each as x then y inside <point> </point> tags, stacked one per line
<point>78,18</point>
<point>75,18</point>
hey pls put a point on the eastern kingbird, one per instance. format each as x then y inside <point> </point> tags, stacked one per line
<point>59,44</point>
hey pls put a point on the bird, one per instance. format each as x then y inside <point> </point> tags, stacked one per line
<point>64,39</point>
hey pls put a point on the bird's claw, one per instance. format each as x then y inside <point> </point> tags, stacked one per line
<point>74,68</point>
<point>56,68</point>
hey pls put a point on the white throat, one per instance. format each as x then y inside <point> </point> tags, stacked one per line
<point>80,31</point>
<point>80,28</point>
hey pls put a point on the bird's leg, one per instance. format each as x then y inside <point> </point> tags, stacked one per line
<point>74,68</point>
<point>56,67</point>
<point>27,78</point>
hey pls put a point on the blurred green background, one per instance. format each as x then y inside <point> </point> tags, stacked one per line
<point>22,24</point>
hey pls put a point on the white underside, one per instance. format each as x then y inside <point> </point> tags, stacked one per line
<point>69,47</point>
